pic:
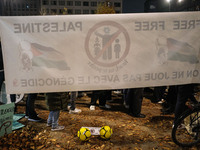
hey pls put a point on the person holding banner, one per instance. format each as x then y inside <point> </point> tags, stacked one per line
<point>1,68</point>
<point>135,96</point>
<point>55,102</point>
<point>2,77</point>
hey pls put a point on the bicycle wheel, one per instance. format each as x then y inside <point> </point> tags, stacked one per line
<point>186,130</point>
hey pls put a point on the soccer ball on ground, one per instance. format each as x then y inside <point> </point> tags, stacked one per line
<point>105,132</point>
<point>84,134</point>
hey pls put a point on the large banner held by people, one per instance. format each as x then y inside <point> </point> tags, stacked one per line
<point>94,52</point>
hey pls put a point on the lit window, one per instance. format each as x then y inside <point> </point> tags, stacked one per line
<point>27,6</point>
<point>109,4</point>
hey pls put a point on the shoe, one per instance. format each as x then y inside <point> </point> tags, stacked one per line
<point>75,111</point>
<point>35,119</point>
<point>84,94</point>
<point>126,105</point>
<point>26,116</point>
<point>105,106</point>
<point>68,107</point>
<point>58,128</point>
<point>49,124</point>
<point>161,101</point>
<point>117,92</point>
<point>138,116</point>
<point>92,107</point>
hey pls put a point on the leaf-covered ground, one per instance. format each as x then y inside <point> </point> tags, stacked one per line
<point>129,133</point>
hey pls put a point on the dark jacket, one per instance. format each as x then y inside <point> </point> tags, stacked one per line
<point>1,58</point>
<point>56,101</point>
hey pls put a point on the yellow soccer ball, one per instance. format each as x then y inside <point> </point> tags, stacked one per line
<point>106,132</point>
<point>84,134</point>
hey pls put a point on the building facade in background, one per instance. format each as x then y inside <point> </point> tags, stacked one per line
<point>76,6</point>
<point>53,7</point>
<point>171,6</point>
<point>19,7</point>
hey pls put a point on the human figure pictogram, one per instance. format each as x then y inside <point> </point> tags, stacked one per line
<point>117,49</point>
<point>97,47</point>
<point>107,54</point>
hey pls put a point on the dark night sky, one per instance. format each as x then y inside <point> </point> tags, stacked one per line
<point>133,6</point>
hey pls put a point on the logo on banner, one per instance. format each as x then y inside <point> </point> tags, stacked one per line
<point>107,44</point>
<point>34,54</point>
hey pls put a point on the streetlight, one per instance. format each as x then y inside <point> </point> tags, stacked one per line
<point>169,1</point>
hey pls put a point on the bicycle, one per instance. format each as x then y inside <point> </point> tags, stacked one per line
<point>186,130</point>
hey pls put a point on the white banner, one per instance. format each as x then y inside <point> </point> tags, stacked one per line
<point>93,52</point>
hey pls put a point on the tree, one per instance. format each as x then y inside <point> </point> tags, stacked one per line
<point>65,12</point>
<point>105,8</point>
<point>43,12</point>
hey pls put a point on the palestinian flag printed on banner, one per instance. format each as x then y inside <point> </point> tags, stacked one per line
<point>34,54</point>
<point>174,50</point>
<point>181,51</point>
